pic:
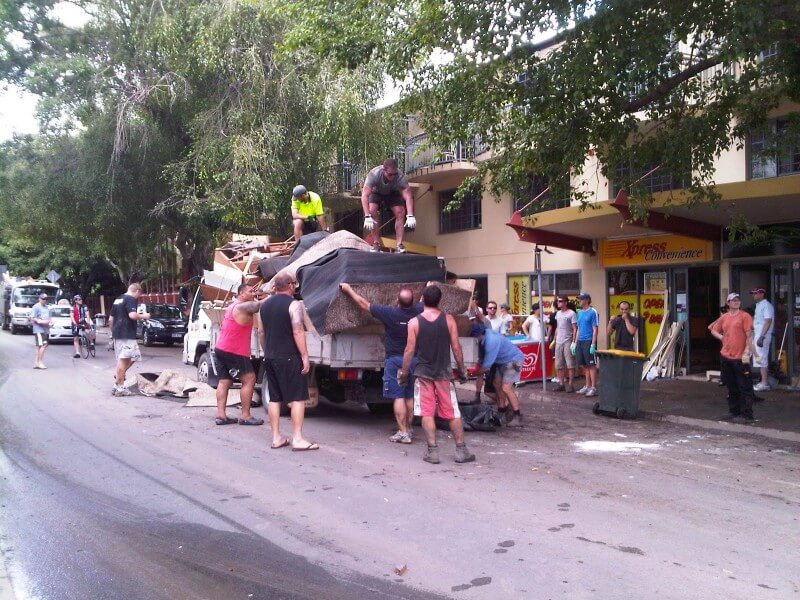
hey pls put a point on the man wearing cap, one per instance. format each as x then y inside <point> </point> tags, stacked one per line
<point>735,330</point>
<point>385,184</point>
<point>308,215</point>
<point>763,326</point>
<point>40,323</point>
<point>587,343</point>
<point>503,361</point>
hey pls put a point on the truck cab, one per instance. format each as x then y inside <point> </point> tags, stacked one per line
<point>18,298</point>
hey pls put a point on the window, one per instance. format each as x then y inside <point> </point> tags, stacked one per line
<point>461,217</point>
<point>769,52</point>
<point>557,283</point>
<point>660,180</point>
<point>774,150</point>
<point>558,196</point>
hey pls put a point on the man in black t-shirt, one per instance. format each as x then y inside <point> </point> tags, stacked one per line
<point>395,323</point>
<point>123,329</point>
<point>625,325</point>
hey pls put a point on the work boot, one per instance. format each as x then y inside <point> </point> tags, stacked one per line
<point>376,247</point>
<point>401,249</point>
<point>516,421</point>
<point>432,455</point>
<point>462,454</point>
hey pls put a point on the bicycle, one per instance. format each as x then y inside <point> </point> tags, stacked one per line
<point>87,343</point>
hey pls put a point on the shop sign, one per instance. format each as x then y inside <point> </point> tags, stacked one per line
<point>519,294</point>
<point>661,249</point>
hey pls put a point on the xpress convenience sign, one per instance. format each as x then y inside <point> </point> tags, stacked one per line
<point>661,249</point>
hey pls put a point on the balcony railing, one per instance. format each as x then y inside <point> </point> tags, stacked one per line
<point>419,153</point>
<point>341,178</point>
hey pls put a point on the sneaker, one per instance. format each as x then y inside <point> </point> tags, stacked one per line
<point>516,421</point>
<point>76,355</point>
<point>376,247</point>
<point>742,420</point>
<point>462,455</point>
<point>583,390</point>
<point>400,437</point>
<point>761,387</point>
<point>121,391</point>
<point>401,249</point>
<point>555,380</point>
<point>559,388</point>
<point>591,392</point>
<point>432,455</point>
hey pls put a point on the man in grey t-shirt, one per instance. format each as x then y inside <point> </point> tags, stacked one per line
<point>565,338</point>
<point>40,323</point>
<point>386,185</point>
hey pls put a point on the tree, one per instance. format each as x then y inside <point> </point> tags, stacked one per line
<point>642,84</point>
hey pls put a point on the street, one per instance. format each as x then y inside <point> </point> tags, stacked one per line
<point>140,497</point>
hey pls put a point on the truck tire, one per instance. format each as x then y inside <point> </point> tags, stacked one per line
<point>14,329</point>
<point>202,368</point>
<point>5,324</point>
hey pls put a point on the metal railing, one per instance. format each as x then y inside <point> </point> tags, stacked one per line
<point>341,178</point>
<point>419,153</point>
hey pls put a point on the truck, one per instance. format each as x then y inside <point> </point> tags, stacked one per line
<point>17,298</point>
<point>345,366</point>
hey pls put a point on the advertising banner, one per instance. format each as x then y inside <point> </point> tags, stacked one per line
<point>519,294</point>
<point>655,250</point>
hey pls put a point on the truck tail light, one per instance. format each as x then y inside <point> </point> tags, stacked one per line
<point>349,374</point>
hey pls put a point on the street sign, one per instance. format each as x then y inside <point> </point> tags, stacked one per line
<point>52,276</point>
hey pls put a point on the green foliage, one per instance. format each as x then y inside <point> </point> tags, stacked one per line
<point>609,76</point>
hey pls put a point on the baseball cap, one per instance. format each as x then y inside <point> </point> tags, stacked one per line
<point>732,296</point>
<point>758,290</point>
<point>477,330</point>
<point>584,296</point>
<point>42,295</point>
<point>299,190</point>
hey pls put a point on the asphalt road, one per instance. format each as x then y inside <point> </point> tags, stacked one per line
<point>141,497</point>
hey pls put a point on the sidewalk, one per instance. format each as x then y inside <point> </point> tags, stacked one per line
<point>689,401</point>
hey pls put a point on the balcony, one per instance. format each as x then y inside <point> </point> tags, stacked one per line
<point>341,179</point>
<point>424,162</point>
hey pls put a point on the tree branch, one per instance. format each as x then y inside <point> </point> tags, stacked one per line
<point>666,86</point>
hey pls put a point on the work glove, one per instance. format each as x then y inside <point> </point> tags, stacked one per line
<point>760,342</point>
<point>573,347</point>
<point>369,223</point>
<point>592,349</point>
<point>411,222</point>
<point>402,377</point>
<point>746,359</point>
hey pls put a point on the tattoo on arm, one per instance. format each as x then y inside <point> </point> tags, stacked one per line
<point>297,314</point>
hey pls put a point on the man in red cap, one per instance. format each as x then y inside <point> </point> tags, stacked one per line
<point>763,326</point>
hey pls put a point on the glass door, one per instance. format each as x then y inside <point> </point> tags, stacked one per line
<point>679,307</point>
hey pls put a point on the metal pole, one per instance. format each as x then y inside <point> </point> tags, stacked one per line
<point>537,267</point>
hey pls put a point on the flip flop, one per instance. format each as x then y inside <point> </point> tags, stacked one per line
<point>251,421</point>
<point>282,444</point>
<point>225,421</point>
<point>311,446</point>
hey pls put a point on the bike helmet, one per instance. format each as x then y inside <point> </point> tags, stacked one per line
<point>299,190</point>
<point>77,297</point>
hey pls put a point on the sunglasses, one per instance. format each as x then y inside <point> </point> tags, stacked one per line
<point>491,308</point>
<point>390,173</point>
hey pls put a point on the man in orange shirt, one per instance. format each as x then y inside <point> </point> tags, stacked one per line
<point>735,330</point>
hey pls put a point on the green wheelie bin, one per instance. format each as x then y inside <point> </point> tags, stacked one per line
<point>620,379</point>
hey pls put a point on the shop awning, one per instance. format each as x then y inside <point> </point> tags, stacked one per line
<point>549,238</point>
<point>668,223</point>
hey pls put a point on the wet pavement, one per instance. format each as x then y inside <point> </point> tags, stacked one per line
<point>142,498</point>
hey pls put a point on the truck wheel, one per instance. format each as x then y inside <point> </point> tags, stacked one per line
<point>380,408</point>
<point>14,329</point>
<point>5,324</point>
<point>202,368</point>
<point>147,340</point>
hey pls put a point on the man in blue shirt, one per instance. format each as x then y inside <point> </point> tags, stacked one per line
<point>498,351</point>
<point>40,323</point>
<point>395,323</point>
<point>587,343</point>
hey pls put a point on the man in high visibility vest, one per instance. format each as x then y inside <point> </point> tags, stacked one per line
<point>308,215</point>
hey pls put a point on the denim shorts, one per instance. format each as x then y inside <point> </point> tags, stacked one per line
<point>509,372</point>
<point>391,388</point>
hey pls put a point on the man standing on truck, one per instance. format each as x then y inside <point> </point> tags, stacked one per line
<point>40,323</point>
<point>123,328</point>
<point>395,322</point>
<point>231,356</point>
<point>286,365</point>
<point>386,185</point>
<point>308,215</point>
<point>431,336</point>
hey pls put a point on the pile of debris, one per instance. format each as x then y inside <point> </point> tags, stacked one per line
<point>667,354</point>
<point>319,262</point>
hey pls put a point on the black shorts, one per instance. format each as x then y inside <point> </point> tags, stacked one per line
<point>230,366</point>
<point>285,381</point>
<point>583,356</point>
<point>41,339</point>
<point>389,200</point>
<point>310,226</point>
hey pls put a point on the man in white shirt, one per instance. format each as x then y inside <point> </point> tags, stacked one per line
<point>763,326</point>
<point>532,327</point>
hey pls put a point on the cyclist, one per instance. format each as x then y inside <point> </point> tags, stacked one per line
<point>80,318</point>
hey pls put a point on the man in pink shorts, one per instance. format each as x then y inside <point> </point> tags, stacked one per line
<point>431,336</point>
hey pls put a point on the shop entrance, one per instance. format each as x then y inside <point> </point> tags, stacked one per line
<point>782,283</point>
<point>690,294</point>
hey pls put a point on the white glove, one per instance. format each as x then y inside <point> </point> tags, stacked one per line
<point>411,221</point>
<point>369,223</point>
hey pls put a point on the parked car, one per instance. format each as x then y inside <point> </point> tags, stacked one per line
<point>165,325</point>
<point>61,322</point>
